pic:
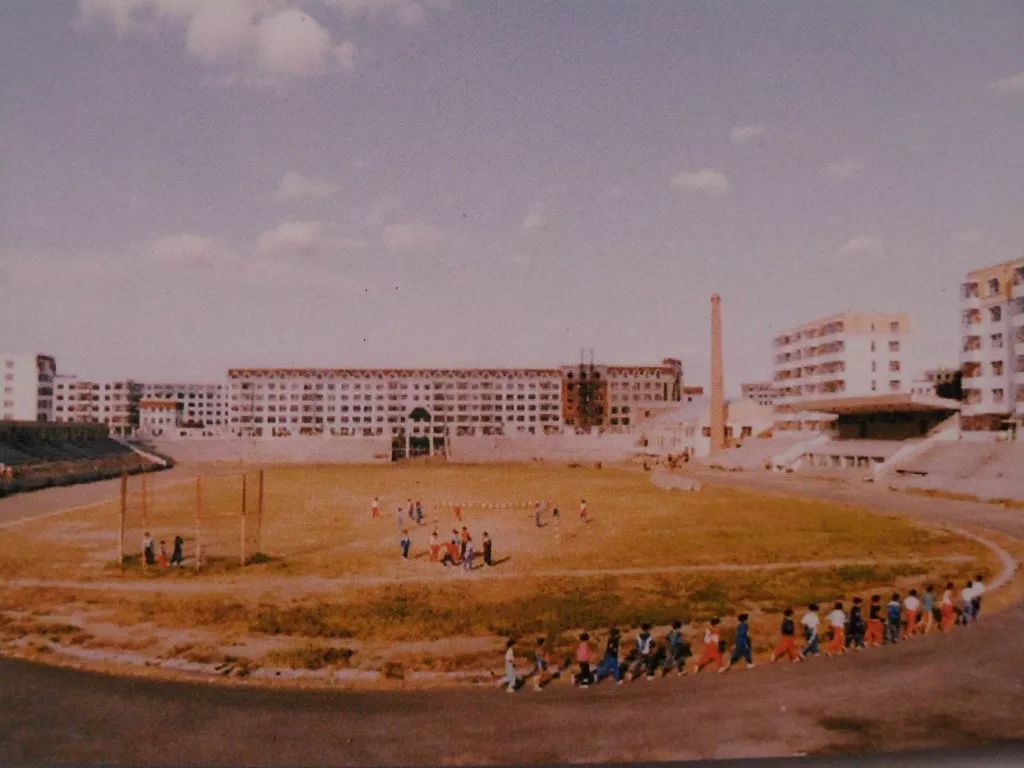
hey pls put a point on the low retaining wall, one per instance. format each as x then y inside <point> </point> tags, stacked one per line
<point>280,450</point>
<point>563,448</point>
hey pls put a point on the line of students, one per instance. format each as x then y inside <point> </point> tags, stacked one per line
<point>896,620</point>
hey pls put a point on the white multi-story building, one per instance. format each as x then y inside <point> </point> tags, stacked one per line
<point>27,387</point>
<point>851,354</point>
<point>159,417</point>
<point>114,403</point>
<point>992,346</point>
<point>433,403</point>
<point>761,392</point>
<point>202,405</point>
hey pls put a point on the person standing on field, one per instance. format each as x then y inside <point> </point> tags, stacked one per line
<point>148,549</point>
<point>743,648</point>
<point>540,657</point>
<point>405,544</point>
<point>712,653</point>
<point>946,610</point>
<point>927,610</point>
<point>583,658</point>
<point>583,511</point>
<point>467,556</point>
<point>435,546</point>
<point>978,589</point>
<point>178,553</point>
<point>911,606</point>
<point>487,550</point>
<point>510,667</point>
<point>375,507</point>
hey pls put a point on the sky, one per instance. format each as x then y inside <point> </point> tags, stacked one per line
<point>192,185</point>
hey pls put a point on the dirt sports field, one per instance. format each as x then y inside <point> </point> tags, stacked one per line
<point>327,600</point>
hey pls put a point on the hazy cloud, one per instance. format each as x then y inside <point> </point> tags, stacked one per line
<point>191,250</point>
<point>294,184</point>
<point>534,219</point>
<point>413,236</point>
<point>1011,84</point>
<point>744,134</point>
<point>841,170</point>
<point>861,248</point>
<point>969,236</point>
<point>303,238</point>
<point>705,180</point>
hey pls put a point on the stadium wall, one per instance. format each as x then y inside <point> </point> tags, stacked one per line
<point>279,450</point>
<point>561,447</point>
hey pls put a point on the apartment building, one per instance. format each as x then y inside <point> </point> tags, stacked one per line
<point>432,403</point>
<point>159,417</point>
<point>850,354</point>
<point>114,403</point>
<point>203,406</point>
<point>616,397</point>
<point>27,382</point>
<point>992,346</point>
<point>761,392</point>
<point>930,382</point>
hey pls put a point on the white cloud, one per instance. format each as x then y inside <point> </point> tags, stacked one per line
<point>861,248</point>
<point>220,31</point>
<point>294,184</point>
<point>258,41</point>
<point>292,43</point>
<point>1011,84</point>
<point>192,251</point>
<point>303,238</point>
<point>705,180</point>
<point>534,219</point>
<point>744,134</point>
<point>413,236</point>
<point>841,170</point>
<point>382,209</point>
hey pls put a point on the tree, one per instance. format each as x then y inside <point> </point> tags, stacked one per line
<point>952,389</point>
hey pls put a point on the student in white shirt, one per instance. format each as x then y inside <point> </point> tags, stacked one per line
<point>967,602</point>
<point>911,606</point>
<point>810,622</point>
<point>837,623</point>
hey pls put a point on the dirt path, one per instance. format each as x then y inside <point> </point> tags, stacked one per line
<point>319,584</point>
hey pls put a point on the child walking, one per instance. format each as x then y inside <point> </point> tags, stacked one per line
<point>810,621</point>
<point>742,649</point>
<point>927,610</point>
<point>712,653</point>
<point>911,605</point>
<point>855,633</point>
<point>405,544</point>
<point>837,623</point>
<point>610,661</point>
<point>584,679</point>
<point>892,619</point>
<point>787,639</point>
<point>874,633</point>
<point>946,611</point>
<point>677,650</point>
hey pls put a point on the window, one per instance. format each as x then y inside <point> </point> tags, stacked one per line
<point>894,386</point>
<point>997,341</point>
<point>894,327</point>
<point>997,395</point>
<point>894,366</point>
<point>997,367</point>
<point>894,346</point>
<point>872,344</point>
<point>993,286</point>
<point>995,313</point>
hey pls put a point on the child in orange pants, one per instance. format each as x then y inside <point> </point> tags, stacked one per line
<point>787,639</point>
<point>837,623</point>
<point>911,605</point>
<point>874,634</point>
<point>948,615</point>
<point>712,653</point>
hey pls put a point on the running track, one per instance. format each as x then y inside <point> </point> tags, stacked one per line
<point>938,691</point>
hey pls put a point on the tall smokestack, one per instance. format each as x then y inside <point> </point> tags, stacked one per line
<point>717,378</point>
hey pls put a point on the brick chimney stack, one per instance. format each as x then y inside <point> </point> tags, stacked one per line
<point>717,378</point>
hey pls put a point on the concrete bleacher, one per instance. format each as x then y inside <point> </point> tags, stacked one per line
<point>37,455</point>
<point>753,452</point>
<point>988,470</point>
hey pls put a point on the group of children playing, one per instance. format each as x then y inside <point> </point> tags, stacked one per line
<point>892,622</point>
